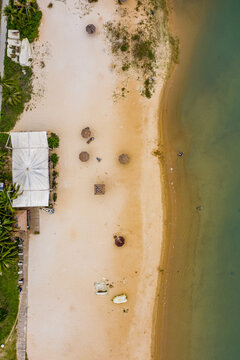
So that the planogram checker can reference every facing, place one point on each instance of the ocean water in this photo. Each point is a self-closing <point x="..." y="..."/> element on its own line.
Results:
<point x="201" y="319"/>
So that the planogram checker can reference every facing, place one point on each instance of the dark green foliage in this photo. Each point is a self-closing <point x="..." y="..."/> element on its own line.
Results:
<point x="8" y="261"/>
<point x="147" y="88"/>
<point x="143" y="49"/>
<point x="11" y="96"/>
<point x="3" y="140"/>
<point x="50" y="5"/>
<point x="26" y="19"/>
<point x="53" y="141"/>
<point x="54" y="158"/>
<point x="136" y="37"/>
<point x="3" y="314"/>
<point x="55" y="197"/>
<point x="148" y="93"/>
<point x="10" y="113"/>
<point x="124" y="47"/>
<point x="9" y="297"/>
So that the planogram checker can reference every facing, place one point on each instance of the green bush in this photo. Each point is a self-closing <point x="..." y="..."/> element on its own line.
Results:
<point x="3" y="314"/>
<point x="53" y="141"/>
<point x="55" y="197"/>
<point x="11" y="113"/>
<point x="54" y="158"/>
<point x="124" y="47"/>
<point x="26" y="19"/>
<point x="136" y="37"/>
<point x="143" y="50"/>
<point x="3" y="140"/>
<point x="148" y="93"/>
<point x="125" y="67"/>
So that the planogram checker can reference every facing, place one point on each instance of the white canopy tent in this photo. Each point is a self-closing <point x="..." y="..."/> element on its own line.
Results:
<point x="25" y="57"/>
<point x="30" y="168"/>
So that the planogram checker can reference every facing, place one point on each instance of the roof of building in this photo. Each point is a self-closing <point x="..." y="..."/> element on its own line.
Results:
<point x="30" y="168"/>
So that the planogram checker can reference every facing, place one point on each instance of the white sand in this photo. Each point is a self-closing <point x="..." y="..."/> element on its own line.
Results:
<point x="66" y="320"/>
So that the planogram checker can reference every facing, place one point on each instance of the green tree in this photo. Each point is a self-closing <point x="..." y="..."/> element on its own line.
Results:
<point x="12" y="96"/>
<point x="54" y="158"/>
<point x="11" y="13"/>
<point x="5" y="239"/>
<point x="53" y="141"/>
<point x="7" y="83"/>
<point x="29" y="7"/>
<point x="7" y="257"/>
<point x="9" y="193"/>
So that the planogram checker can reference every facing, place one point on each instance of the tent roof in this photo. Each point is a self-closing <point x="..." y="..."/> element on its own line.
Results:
<point x="30" y="168"/>
<point x="25" y="53"/>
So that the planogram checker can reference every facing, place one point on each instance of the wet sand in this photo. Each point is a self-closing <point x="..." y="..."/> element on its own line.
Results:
<point x="179" y="198"/>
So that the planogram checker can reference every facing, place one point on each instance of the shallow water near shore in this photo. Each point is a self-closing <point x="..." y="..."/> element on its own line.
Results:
<point x="201" y="316"/>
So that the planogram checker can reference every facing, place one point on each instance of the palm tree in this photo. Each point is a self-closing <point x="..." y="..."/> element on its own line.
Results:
<point x="11" y="13"/>
<point x="6" y="223"/>
<point x="12" y="96"/>
<point x="7" y="257"/>
<point x="28" y="6"/>
<point x="9" y="193"/>
<point x="5" y="238"/>
<point x="7" y="83"/>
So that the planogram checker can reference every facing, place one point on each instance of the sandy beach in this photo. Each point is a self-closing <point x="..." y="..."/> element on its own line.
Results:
<point x="74" y="85"/>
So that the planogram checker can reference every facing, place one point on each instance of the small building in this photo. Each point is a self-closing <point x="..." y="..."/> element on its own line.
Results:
<point x="30" y="168"/>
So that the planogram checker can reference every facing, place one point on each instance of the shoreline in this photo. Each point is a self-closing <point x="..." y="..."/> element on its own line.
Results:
<point x="170" y="182"/>
<point x="168" y="200"/>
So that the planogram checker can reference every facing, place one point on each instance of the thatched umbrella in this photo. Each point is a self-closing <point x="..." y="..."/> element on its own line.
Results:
<point x="86" y="132"/>
<point x="119" y="240"/>
<point x="84" y="156"/>
<point x="124" y="159"/>
<point x="90" y="29"/>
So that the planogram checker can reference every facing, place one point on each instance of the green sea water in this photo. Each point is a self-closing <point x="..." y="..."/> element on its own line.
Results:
<point x="202" y="315"/>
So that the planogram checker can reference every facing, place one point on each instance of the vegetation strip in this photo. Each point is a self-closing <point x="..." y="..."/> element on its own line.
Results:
<point x="137" y="47"/>
<point x="17" y="81"/>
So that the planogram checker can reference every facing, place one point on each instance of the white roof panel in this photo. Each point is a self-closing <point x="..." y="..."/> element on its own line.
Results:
<point x="30" y="168"/>
<point x="26" y="140"/>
